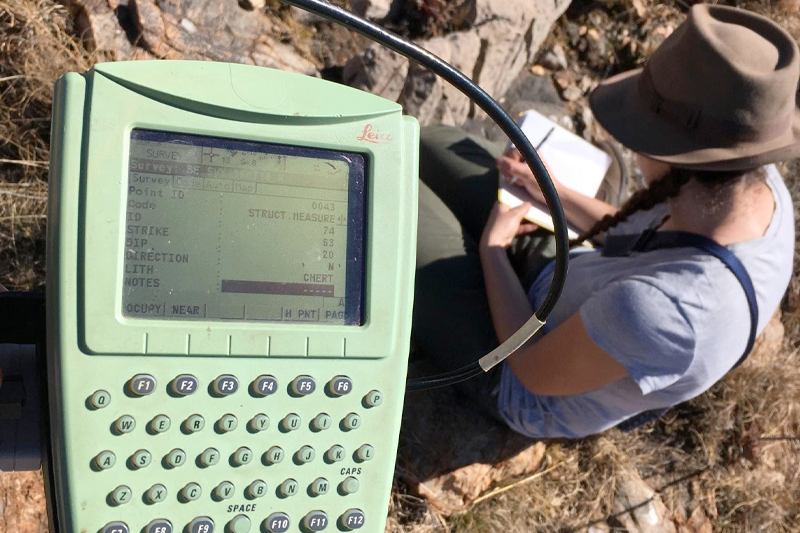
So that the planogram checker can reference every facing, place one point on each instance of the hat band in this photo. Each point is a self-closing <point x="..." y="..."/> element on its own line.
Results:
<point x="695" y="122"/>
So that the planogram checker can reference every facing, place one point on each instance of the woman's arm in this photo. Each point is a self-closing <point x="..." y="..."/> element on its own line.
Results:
<point x="563" y="362"/>
<point x="582" y="211"/>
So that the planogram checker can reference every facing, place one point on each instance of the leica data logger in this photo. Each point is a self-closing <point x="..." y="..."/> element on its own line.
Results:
<point x="230" y="280"/>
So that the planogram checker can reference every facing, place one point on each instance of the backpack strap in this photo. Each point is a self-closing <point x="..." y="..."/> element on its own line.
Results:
<point x="649" y="240"/>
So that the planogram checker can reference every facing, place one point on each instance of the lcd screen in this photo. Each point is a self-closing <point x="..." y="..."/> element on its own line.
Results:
<point x="220" y="229"/>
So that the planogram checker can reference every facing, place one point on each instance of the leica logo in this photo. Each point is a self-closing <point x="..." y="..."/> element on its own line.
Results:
<point x="372" y="135"/>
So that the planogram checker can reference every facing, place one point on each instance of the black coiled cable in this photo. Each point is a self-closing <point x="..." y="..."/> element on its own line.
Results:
<point x="508" y="125"/>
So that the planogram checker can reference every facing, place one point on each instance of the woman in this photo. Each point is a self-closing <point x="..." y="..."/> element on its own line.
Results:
<point x="715" y="106"/>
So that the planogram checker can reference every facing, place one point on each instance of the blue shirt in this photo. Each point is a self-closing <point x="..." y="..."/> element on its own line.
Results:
<point x="676" y="319"/>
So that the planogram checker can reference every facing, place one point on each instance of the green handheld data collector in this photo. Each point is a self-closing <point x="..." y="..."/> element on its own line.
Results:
<point x="230" y="281"/>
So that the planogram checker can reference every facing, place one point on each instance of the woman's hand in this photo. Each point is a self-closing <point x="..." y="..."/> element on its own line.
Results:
<point x="514" y="169"/>
<point x="504" y="224"/>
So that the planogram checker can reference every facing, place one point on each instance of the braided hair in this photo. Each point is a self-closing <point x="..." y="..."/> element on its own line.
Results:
<point x="718" y="182"/>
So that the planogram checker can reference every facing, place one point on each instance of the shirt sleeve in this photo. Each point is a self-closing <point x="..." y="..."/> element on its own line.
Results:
<point x="644" y="329"/>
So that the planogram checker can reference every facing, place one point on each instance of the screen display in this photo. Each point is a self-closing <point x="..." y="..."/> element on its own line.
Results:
<point x="220" y="229"/>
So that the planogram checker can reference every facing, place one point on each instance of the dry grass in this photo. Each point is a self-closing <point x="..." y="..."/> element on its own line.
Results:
<point x="36" y="46"/>
<point x="718" y="444"/>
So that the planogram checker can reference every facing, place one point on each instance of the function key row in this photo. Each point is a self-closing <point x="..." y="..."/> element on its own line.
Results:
<point x="144" y="384"/>
<point x="229" y="422"/>
<point x="226" y="384"/>
<point x="226" y="490"/>
<point x="350" y="520"/>
<point x="242" y="456"/>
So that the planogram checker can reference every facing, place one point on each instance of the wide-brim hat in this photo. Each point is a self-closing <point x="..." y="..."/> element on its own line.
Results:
<point x="721" y="93"/>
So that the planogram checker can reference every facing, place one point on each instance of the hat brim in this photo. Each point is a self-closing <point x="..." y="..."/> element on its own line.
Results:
<point x="619" y="109"/>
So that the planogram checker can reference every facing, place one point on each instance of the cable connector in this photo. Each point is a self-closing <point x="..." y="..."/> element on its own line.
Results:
<point x="514" y="343"/>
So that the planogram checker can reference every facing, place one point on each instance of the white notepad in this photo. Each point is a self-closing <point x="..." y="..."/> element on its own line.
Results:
<point x="574" y="162"/>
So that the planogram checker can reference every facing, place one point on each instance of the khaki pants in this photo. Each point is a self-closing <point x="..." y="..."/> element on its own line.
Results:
<point x="452" y="326"/>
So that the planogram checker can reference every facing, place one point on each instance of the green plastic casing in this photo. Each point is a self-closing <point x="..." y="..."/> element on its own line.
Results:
<point x="92" y="346"/>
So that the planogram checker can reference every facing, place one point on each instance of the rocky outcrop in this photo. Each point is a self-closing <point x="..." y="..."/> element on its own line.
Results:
<point x="504" y="37"/>
<point x="190" y="29"/>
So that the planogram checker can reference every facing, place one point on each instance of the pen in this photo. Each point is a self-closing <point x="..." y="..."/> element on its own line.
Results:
<point x="514" y="178"/>
<point x="541" y="143"/>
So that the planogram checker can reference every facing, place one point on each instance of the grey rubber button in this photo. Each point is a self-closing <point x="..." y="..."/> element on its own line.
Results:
<point x="351" y="421"/>
<point x="305" y="455"/>
<point x="194" y="423"/>
<point x="121" y="495"/>
<point x="315" y="521"/>
<point x="256" y="489"/>
<point x="191" y="492"/>
<point x="202" y="524"/>
<point x="239" y="524"/>
<point x="225" y="385"/>
<point x="227" y="423"/>
<point x="260" y="422"/>
<point x="291" y="422"/>
<point x="321" y="422"/>
<point x="274" y="455"/>
<point x="264" y="385"/>
<point x="105" y="460"/>
<point x="100" y="399"/>
<point x="288" y="488"/>
<point x="319" y="486"/>
<point x="160" y="424"/>
<point x="118" y="527"/>
<point x="156" y="494"/>
<point x="350" y="485"/>
<point x="142" y="385"/>
<point x="303" y="385"/>
<point x="224" y="490"/>
<point x="242" y="456"/>
<point x="159" y="526"/>
<point x="335" y="454"/>
<point x="373" y="398"/>
<point x="184" y="385"/>
<point x="352" y="519"/>
<point x="340" y="385"/>
<point x="209" y="457"/>
<point x="365" y="452"/>
<point x="125" y="424"/>
<point x="175" y="458"/>
<point x="141" y="459"/>
<point x="275" y="523"/>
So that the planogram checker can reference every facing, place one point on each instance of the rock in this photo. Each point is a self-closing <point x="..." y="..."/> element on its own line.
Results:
<point x="505" y="37"/>
<point x="554" y="59"/>
<point x="572" y="93"/>
<point x="451" y="455"/>
<point x="218" y="31"/>
<point x="373" y="9"/>
<point x="98" y="22"/>
<point x="22" y="503"/>
<point x="190" y="29"/>
<point x="538" y="70"/>
<point x="637" y="506"/>
<point x="427" y="96"/>
<point x="377" y="70"/>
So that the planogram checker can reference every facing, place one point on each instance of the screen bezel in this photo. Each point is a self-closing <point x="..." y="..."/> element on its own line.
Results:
<point x="297" y="110"/>
<point x="357" y="194"/>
